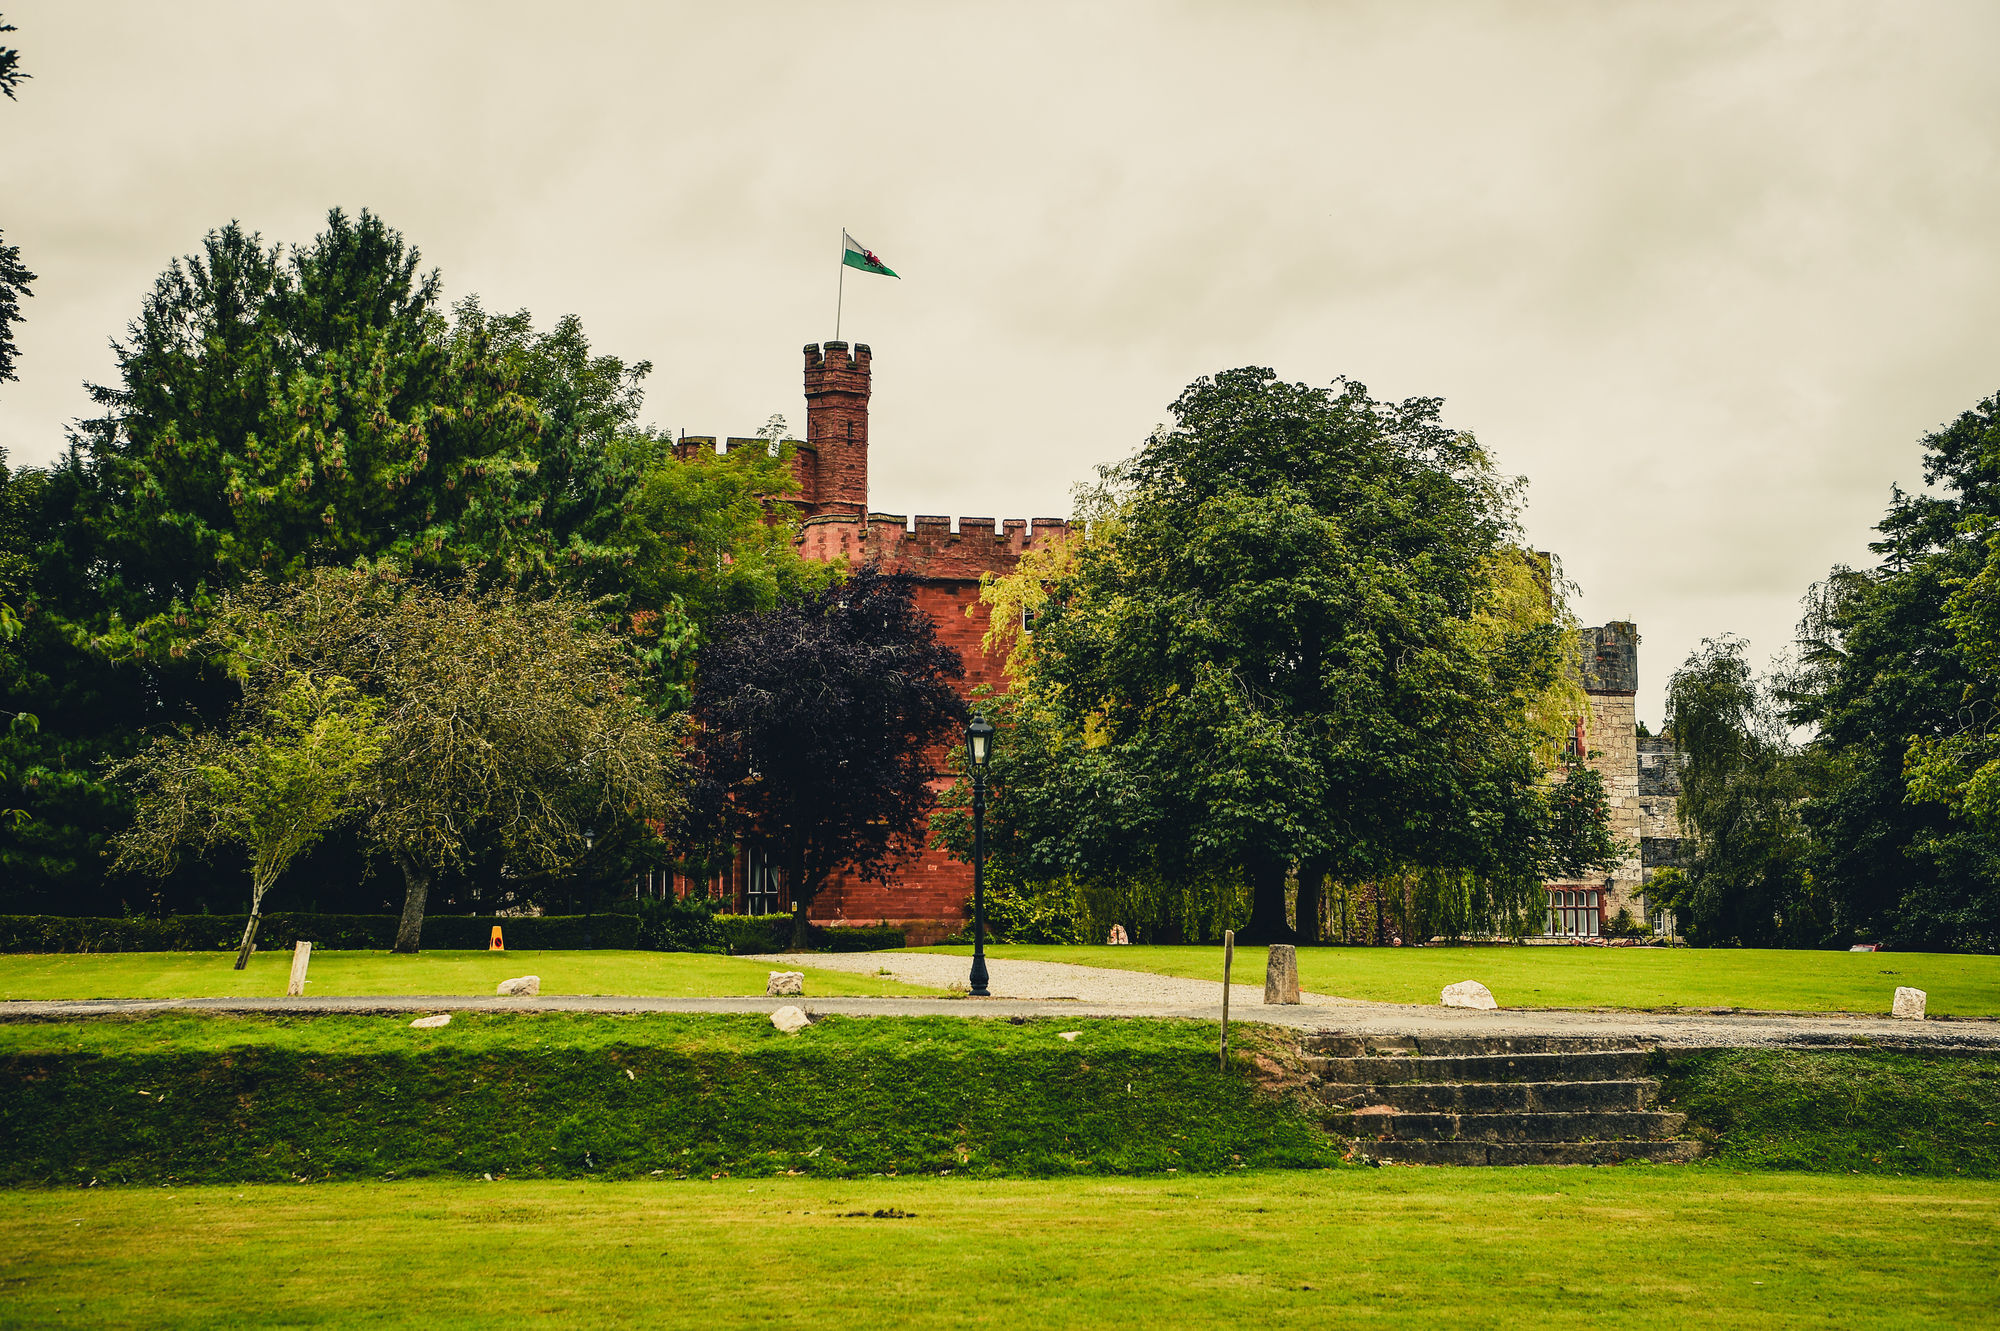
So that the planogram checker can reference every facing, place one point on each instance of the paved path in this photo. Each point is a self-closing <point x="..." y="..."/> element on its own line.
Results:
<point x="1699" y="1029"/>
<point x="1035" y="979"/>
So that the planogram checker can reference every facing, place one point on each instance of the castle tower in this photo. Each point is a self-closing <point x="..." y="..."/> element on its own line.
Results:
<point x="836" y="452"/>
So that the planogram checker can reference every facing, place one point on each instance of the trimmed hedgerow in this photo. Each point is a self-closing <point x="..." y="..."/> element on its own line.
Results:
<point x="663" y="927"/>
<point x="748" y="934"/>
<point x="201" y="933"/>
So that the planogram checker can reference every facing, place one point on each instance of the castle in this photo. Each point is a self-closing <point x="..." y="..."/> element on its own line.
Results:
<point x="929" y="895"/>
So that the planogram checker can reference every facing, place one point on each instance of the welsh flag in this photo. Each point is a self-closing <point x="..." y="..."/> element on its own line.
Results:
<point x="856" y="255"/>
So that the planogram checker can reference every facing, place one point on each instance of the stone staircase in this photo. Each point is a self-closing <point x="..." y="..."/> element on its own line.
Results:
<point x="1496" y="1100"/>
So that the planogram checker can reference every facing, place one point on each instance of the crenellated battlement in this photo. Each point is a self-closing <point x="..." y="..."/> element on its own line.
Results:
<point x="834" y="358"/>
<point x="928" y="545"/>
<point x="690" y="446"/>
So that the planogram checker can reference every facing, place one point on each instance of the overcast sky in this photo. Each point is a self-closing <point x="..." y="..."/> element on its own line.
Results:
<point x="1702" y="272"/>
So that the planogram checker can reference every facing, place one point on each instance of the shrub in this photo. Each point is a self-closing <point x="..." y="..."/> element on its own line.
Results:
<point x="677" y="924"/>
<point x="1624" y="925"/>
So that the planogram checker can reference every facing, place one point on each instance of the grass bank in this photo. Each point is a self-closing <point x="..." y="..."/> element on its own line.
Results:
<point x="193" y="1098"/>
<point x="454" y="974"/>
<point x="200" y="1097"/>
<point x="1391" y="1247"/>
<point x="1839" y="1111"/>
<point x="1566" y="977"/>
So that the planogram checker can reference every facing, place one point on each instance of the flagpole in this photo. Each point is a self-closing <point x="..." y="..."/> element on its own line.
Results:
<point x="841" y="296"/>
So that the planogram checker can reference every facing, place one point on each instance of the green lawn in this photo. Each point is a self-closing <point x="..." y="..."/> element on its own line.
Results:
<point x="1626" y="977"/>
<point x="1392" y="1247"/>
<point x="453" y="974"/>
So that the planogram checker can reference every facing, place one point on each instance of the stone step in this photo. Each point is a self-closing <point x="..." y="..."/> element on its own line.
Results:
<point x="1430" y="1046"/>
<point x="1608" y="1125"/>
<point x="1525" y="1153"/>
<point x="1624" y="1065"/>
<point x="1496" y="1096"/>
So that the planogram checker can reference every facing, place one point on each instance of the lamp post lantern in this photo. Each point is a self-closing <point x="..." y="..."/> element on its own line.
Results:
<point x="978" y="748"/>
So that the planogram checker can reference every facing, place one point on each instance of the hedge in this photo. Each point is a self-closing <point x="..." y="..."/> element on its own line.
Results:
<point x="744" y="934"/>
<point x="203" y="933"/>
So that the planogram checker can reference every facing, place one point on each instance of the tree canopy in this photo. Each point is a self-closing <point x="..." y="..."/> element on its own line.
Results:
<point x="509" y="720"/>
<point x="296" y="765"/>
<point x="15" y="281"/>
<point x="1742" y="787"/>
<point x="281" y="410"/>
<point x="1292" y="639"/>
<point x="820" y="722"/>
<point x="1898" y="678"/>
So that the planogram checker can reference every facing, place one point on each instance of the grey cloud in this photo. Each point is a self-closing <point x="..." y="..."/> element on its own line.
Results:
<point x="1702" y="271"/>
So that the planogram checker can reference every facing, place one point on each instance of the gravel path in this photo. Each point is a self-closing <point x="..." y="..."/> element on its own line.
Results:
<point x="1039" y="979"/>
<point x="1697" y="1029"/>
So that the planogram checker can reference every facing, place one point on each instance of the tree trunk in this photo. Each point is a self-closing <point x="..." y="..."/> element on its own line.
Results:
<point x="417" y="890"/>
<point x="249" y="938"/>
<point x="1267" y="904"/>
<point x="257" y="891"/>
<point x="1312" y="884"/>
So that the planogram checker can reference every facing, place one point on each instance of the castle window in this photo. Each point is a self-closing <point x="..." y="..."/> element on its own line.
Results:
<point x="760" y="893"/>
<point x="1575" y="912"/>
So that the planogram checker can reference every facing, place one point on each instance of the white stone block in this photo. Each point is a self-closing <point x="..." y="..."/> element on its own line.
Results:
<point x="1909" y="1003"/>
<point x="1468" y="993"/>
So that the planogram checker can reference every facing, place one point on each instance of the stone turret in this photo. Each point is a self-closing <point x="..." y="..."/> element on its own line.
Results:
<point x="833" y="466"/>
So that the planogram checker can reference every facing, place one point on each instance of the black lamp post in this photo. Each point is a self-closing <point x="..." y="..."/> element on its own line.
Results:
<point x="978" y="748"/>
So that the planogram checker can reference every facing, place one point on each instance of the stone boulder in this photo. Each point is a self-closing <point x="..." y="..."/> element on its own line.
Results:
<point x="521" y="986"/>
<point x="1909" y="1003"/>
<point x="790" y="1020"/>
<point x="1468" y="993"/>
<point x="432" y="1023"/>
<point x="1281" y="974"/>
<point x="786" y="984"/>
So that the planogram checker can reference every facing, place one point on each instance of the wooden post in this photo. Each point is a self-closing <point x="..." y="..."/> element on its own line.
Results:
<point x="301" y="954"/>
<point x="1228" y="956"/>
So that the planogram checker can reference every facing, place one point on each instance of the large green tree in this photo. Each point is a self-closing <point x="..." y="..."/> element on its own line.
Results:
<point x="1898" y="677"/>
<point x="1283" y="648"/>
<point x="1743" y="785"/>
<point x="280" y="410"/>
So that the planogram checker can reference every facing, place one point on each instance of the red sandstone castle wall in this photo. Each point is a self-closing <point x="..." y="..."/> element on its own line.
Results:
<point x="930" y="892"/>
